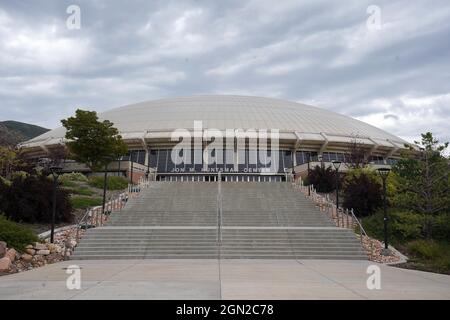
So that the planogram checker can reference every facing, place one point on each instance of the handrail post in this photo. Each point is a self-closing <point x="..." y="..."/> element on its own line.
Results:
<point x="219" y="207"/>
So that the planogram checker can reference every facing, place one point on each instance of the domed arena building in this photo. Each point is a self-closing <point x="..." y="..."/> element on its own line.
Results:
<point x="254" y="138"/>
<point x="224" y="167"/>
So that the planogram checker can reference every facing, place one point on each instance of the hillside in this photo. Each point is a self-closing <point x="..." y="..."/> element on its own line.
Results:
<point x="14" y="132"/>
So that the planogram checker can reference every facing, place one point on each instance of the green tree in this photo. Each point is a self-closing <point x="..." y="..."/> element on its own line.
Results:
<point x="423" y="178"/>
<point x="93" y="142"/>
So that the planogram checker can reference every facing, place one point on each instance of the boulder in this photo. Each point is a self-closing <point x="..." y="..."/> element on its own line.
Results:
<point x="2" y="249"/>
<point x="43" y="252"/>
<point x="5" y="264"/>
<point x="26" y="257"/>
<point x="11" y="254"/>
<point x="52" y="247"/>
<point x="30" y="246"/>
<point x="40" y="246"/>
<point x="31" y="251"/>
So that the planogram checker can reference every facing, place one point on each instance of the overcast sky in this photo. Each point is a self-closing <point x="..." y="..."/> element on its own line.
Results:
<point x="394" y="73"/>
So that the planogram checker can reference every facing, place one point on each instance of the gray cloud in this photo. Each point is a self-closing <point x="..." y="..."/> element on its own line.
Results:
<point x="317" y="52"/>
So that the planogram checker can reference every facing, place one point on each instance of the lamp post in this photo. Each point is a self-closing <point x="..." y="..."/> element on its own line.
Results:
<point x="336" y="165"/>
<point x="55" y="170"/>
<point x="309" y="159"/>
<point x="384" y="172"/>
<point x="105" y="180"/>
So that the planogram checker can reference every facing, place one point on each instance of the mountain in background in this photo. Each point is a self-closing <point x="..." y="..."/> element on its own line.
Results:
<point x="14" y="132"/>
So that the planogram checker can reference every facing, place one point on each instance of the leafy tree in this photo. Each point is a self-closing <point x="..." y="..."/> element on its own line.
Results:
<point x="8" y="159"/>
<point x="91" y="141"/>
<point x="362" y="191"/>
<point x="423" y="178"/>
<point x="322" y="178"/>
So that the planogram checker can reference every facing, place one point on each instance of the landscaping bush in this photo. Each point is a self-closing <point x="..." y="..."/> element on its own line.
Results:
<point x="81" y="202"/>
<point x="29" y="199"/>
<point x="362" y="191"/>
<point x="15" y="235"/>
<point x="403" y="225"/>
<point x="441" y="227"/>
<point x="426" y="249"/>
<point x="74" y="176"/>
<point x="322" y="178"/>
<point x="113" y="183"/>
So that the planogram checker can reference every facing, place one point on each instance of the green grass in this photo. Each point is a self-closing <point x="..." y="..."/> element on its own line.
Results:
<point x="15" y="235"/>
<point x="82" y="191"/>
<point x="83" y="202"/>
<point x="68" y="184"/>
<point x="113" y="183"/>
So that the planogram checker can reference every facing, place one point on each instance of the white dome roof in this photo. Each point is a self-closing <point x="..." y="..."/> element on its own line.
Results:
<point x="233" y="112"/>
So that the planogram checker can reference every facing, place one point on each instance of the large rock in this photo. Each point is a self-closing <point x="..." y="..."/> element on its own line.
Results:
<point x="40" y="246"/>
<point x="53" y="247"/>
<point x="2" y="249"/>
<point x="5" y="264"/>
<point x="26" y="257"/>
<point x="11" y="254"/>
<point x="30" y="246"/>
<point x="31" y="251"/>
<point x="43" y="252"/>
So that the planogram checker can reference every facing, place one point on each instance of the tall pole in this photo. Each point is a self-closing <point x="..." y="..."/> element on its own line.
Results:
<point x="55" y="184"/>
<point x="385" y="219"/>
<point x="309" y="182"/>
<point x="131" y="172"/>
<point x="337" y="188"/>
<point x="104" y="188"/>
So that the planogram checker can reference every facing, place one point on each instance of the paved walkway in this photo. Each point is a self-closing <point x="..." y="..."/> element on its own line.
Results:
<point x="231" y="279"/>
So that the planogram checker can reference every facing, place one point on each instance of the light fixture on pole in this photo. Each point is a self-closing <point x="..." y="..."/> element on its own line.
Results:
<point x="308" y="155"/>
<point x="55" y="171"/>
<point x="336" y="165"/>
<point x="384" y="172"/>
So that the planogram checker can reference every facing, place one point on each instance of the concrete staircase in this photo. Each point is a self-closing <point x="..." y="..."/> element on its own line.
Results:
<point x="176" y="220"/>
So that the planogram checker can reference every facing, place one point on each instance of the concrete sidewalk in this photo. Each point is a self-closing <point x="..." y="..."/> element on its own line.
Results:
<point x="229" y="279"/>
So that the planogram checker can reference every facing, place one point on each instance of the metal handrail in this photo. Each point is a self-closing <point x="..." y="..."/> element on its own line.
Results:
<point x="83" y="219"/>
<point x="321" y="200"/>
<point x="123" y="197"/>
<point x="219" y="208"/>
<point x="361" y="228"/>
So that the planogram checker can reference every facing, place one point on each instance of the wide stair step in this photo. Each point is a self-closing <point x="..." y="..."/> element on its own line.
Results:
<point x="178" y="220"/>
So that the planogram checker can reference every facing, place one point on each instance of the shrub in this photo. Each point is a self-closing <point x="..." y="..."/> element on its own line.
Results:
<point x="113" y="183"/>
<point x="81" y="202"/>
<point x="15" y="235"/>
<point x="426" y="249"/>
<point x="74" y="176"/>
<point x="30" y="199"/>
<point x="403" y="225"/>
<point x="441" y="227"/>
<point x="322" y="178"/>
<point x="362" y="191"/>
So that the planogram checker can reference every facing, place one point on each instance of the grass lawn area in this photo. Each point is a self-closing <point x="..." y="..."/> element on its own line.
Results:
<point x="83" y="202"/>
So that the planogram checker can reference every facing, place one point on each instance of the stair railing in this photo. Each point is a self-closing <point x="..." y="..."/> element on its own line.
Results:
<point x="96" y="217"/>
<point x="219" y="208"/>
<point x="342" y="218"/>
